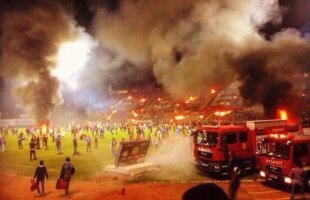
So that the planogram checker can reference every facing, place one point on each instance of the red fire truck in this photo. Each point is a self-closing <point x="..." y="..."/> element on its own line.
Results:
<point x="282" y="150"/>
<point x="212" y="144"/>
<point x="215" y="146"/>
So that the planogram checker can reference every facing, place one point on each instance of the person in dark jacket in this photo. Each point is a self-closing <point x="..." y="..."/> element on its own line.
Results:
<point x="67" y="171"/>
<point x="32" y="150"/>
<point x="40" y="175"/>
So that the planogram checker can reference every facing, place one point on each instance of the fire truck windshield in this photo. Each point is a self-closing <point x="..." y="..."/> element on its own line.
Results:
<point x="207" y="138"/>
<point x="278" y="149"/>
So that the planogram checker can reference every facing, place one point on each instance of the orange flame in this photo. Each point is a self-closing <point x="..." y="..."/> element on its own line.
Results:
<point x="283" y="114"/>
<point x="179" y="117"/>
<point x="134" y="113"/>
<point x="44" y="129"/>
<point x="222" y="113"/>
<point x="142" y="100"/>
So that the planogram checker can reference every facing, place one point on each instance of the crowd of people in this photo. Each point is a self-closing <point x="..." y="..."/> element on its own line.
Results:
<point x="38" y="138"/>
<point x="91" y="133"/>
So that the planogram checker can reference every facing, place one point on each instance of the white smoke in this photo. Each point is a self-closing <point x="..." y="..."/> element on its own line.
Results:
<point x="175" y="154"/>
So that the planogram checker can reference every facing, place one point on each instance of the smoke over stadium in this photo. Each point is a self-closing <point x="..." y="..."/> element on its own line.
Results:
<point x="185" y="47"/>
<point x="27" y="49"/>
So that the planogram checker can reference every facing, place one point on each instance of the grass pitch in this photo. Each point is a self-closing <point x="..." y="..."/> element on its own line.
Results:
<point x="17" y="161"/>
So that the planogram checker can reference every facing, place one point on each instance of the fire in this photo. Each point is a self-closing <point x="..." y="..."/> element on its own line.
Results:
<point x="222" y="113"/>
<point x="179" y="117"/>
<point x="191" y="98"/>
<point x="134" y="114"/>
<point x="143" y="100"/>
<point x="44" y="129"/>
<point x="213" y="91"/>
<point x="283" y="114"/>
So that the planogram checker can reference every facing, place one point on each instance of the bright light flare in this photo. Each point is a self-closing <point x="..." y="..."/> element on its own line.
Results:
<point x="72" y="57"/>
<point x="213" y="91"/>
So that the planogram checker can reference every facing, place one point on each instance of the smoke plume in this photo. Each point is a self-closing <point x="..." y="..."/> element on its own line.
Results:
<point x="192" y="46"/>
<point x="31" y="34"/>
<point x="271" y="72"/>
<point x="186" y="42"/>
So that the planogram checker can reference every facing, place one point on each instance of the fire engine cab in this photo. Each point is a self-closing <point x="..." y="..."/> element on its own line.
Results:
<point x="281" y="149"/>
<point x="216" y="148"/>
<point x="215" y="145"/>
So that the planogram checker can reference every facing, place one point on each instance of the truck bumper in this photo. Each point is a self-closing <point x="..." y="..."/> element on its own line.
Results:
<point x="217" y="167"/>
<point x="269" y="176"/>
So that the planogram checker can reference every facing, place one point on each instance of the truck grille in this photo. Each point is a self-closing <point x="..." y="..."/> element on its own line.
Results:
<point x="205" y="154"/>
<point x="274" y="169"/>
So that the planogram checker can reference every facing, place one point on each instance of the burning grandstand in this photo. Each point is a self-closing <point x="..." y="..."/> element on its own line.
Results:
<point x="70" y="60"/>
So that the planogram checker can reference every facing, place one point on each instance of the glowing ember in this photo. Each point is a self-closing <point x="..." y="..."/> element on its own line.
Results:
<point x="201" y="116"/>
<point x="129" y="97"/>
<point x="159" y="99"/>
<point x="213" y="91"/>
